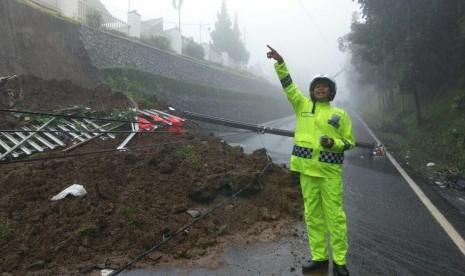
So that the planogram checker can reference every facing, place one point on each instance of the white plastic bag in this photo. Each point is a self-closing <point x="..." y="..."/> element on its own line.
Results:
<point x="75" y="190"/>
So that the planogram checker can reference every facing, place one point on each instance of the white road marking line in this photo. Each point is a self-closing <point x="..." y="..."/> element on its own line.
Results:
<point x="450" y="230"/>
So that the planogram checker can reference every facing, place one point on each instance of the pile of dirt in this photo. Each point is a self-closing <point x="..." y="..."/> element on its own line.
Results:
<point x="30" y="93"/>
<point x="136" y="198"/>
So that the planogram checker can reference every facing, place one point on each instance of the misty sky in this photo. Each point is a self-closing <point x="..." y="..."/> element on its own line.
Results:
<point x="303" y="31"/>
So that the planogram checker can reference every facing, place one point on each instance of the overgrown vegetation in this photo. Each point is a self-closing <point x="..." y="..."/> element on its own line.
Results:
<point x="410" y="46"/>
<point x="124" y="114"/>
<point x="93" y="18"/>
<point x="439" y="139"/>
<point x="137" y="82"/>
<point x="137" y="91"/>
<point x="194" y="50"/>
<point x="407" y="71"/>
<point x="159" y="42"/>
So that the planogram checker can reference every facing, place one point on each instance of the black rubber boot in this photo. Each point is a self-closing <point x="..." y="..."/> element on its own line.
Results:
<point x="309" y="266"/>
<point x="341" y="270"/>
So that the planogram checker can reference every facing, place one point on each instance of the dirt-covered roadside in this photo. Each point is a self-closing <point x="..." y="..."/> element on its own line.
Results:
<point x="135" y="198"/>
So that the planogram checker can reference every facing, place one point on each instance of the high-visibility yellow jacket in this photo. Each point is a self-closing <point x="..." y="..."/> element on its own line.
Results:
<point x="308" y="156"/>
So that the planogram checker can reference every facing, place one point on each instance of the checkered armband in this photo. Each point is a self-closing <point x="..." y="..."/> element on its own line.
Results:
<point x="331" y="157"/>
<point x="286" y="81"/>
<point x="302" y="152"/>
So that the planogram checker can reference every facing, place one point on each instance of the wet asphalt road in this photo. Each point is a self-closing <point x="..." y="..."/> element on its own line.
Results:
<point x="390" y="230"/>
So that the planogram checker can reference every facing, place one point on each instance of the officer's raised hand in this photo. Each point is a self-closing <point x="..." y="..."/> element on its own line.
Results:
<point x="274" y="55"/>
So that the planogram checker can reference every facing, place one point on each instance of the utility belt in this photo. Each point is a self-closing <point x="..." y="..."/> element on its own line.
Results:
<point x="325" y="156"/>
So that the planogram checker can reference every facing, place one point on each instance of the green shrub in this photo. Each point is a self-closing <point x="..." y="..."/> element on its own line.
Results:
<point x="159" y="42"/>
<point x="94" y="18"/>
<point x="117" y="32"/>
<point x="134" y="89"/>
<point x="194" y="50"/>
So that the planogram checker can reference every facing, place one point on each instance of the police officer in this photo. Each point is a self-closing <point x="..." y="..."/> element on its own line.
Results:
<point x="322" y="135"/>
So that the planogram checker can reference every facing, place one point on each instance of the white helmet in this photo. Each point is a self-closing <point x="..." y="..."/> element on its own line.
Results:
<point x="318" y="78"/>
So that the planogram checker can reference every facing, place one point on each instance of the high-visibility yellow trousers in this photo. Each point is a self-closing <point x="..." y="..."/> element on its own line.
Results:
<point x="324" y="213"/>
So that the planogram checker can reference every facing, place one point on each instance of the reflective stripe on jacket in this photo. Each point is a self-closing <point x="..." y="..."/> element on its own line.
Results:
<point x="308" y="156"/>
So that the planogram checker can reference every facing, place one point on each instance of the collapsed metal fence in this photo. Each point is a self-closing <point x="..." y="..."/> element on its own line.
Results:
<point x="64" y="133"/>
<point x="67" y="132"/>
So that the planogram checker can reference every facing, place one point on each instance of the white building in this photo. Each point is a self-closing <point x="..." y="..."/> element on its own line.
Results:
<point x="134" y="26"/>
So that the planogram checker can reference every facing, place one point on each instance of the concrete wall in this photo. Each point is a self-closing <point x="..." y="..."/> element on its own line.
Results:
<point x="134" y="24"/>
<point x="175" y="40"/>
<point x="214" y="56"/>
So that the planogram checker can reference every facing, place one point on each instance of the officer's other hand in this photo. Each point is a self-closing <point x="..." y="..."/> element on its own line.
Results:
<point x="274" y="55"/>
<point x="326" y="141"/>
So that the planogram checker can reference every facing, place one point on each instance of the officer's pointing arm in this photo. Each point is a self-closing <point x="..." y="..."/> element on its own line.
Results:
<point x="274" y="55"/>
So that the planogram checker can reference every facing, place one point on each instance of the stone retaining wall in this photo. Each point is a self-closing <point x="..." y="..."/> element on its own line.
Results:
<point x="109" y="50"/>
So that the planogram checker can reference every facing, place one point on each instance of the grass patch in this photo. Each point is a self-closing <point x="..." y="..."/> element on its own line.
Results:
<point x="126" y="210"/>
<point x="6" y="230"/>
<point x="191" y="155"/>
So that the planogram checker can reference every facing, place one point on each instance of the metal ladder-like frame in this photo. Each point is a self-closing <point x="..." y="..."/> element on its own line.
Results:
<point x="41" y="138"/>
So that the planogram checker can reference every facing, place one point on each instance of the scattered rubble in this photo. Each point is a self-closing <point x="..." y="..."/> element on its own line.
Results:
<point x="448" y="178"/>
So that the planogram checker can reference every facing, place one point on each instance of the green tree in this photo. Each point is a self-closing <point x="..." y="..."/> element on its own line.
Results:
<point x="238" y="51"/>
<point x="225" y="38"/>
<point x="415" y="46"/>
<point x="194" y="50"/>
<point x="93" y="18"/>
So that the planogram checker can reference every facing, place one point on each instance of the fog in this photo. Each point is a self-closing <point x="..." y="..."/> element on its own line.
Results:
<point x="304" y="32"/>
